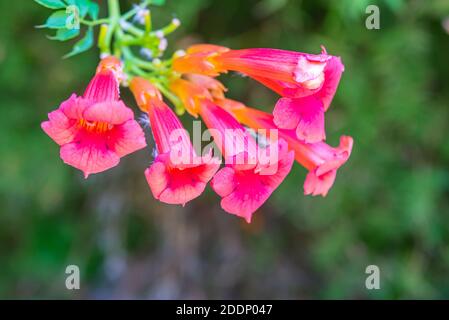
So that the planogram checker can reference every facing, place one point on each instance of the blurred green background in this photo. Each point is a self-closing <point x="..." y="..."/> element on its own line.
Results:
<point x="389" y="205"/>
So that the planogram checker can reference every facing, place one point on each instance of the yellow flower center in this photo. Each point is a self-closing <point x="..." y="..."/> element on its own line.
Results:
<point x="95" y="126"/>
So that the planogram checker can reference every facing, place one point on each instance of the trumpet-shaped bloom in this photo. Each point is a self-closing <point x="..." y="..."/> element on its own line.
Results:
<point x="199" y="60"/>
<point x="320" y="159"/>
<point x="306" y="112"/>
<point x="190" y="94"/>
<point x="97" y="129"/>
<point x="246" y="181"/>
<point x="281" y="65"/>
<point x="177" y="174"/>
<point x="307" y="82"/>
<point x="331" y="73"/>
<point x="215" y="87"/>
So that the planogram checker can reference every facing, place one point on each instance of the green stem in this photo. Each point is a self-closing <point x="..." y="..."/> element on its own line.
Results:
<point x="172" y="26"/>
<point x="94" y="23"/>
<point x="133" y="11"/>
<point x="114" y="14"/>
<point x="137" y="63"/>
<point x="134" y="30"/>
<point x="135" y="69"/>
<point x="114" y="9"/>
<point x="130" y="41"/>
<point x="148" y="23"/>
<point x="144" y="64"/>
<point x="159" y="74"/>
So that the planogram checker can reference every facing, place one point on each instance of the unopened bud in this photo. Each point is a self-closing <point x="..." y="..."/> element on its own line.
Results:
<point x="163" y="44"/>
<point x="159" y="34"/>
<point x="146" y="53"/>
<point x="179" y="53"/>
<point x="176" y="22"/>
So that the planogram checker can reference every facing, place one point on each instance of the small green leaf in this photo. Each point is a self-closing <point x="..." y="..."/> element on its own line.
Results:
<point x="52" y="4"/>
<point x="65" y="34"/>
<point x="93" y="10"/>
<point x="56" y="21"/>
<point x="83" y="45"/>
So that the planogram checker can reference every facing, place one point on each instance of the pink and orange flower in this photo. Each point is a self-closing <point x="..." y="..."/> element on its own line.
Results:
<point x="249" y="176"/>
<point x="97" y="129"/>
<point x="320" y="159"/>
<point x="246" y="184"/>
<point x="177" y="174"/>
<point x="306" y="82"/>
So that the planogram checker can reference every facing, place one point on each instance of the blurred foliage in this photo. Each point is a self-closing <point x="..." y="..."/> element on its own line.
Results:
<point x="388" y="207"/>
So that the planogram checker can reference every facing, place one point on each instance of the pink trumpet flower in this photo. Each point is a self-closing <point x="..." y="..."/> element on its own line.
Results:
<point x="97" y="129"/>
<point x="320" y="159"/>
<point x="306" y="82"/>
<point x="177" y="175"/>
<point x="246" y="181"/>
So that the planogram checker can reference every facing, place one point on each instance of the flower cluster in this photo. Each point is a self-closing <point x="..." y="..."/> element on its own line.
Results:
<point x="258" y="149"/>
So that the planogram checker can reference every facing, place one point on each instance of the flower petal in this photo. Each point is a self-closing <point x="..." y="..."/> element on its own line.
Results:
<point x="89" y="155"/>
<point x="320" y="179"/>
<point x="175" y="185"/>
<point x="319" y="185"/>
<point x="127" y="138"/>
<point x="74" y="107"/>
<point x="286" y="114"/>
<point x="224" y="181"/>
<point x="112" y="112"/>
<point x="104" y="86"/>
<point x="332" y="74"/>
<point x="248" y="196"/>
<point x="308" y="69"/>
<point x="337" y="157"/>
<point x="244" y="191"/>
<point x="306" y="115"/>
<point x="61" y="129"/>
<point x="286" y="89"/>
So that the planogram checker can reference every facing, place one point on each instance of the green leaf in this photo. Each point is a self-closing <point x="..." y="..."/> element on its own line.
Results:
<point x="52" y="4"/>
<point x="93" y="10"/>
<point x="65" y="34"/>
<point x="56" y="21"/>
<point x="83" y="45"/>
